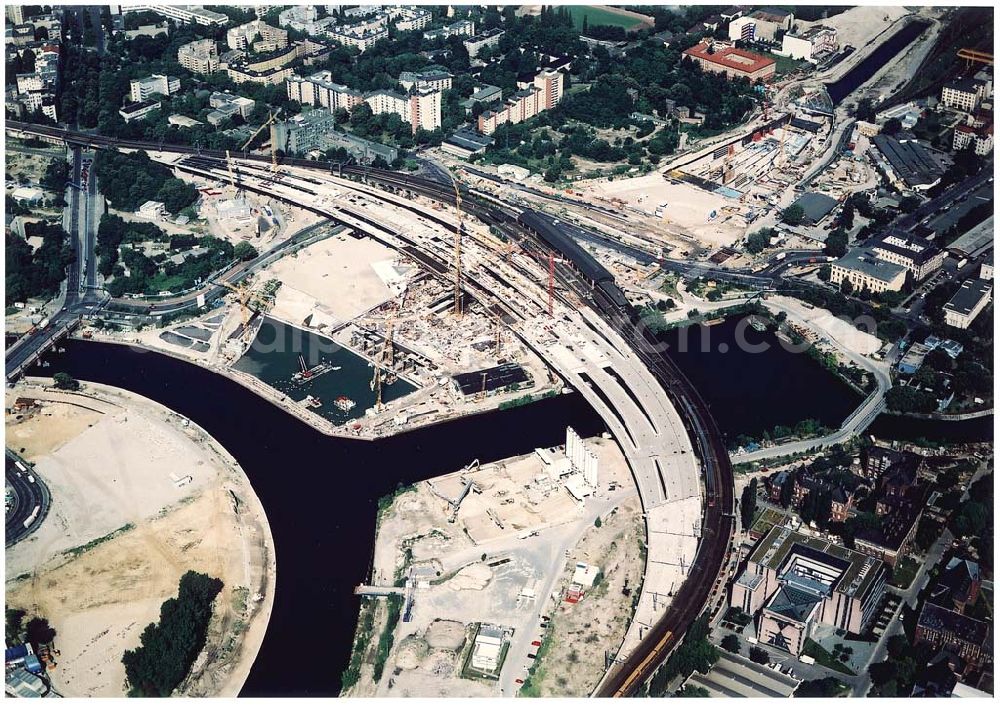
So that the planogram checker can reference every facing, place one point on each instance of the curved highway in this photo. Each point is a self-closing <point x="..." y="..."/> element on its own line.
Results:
<point x="30" y="500"/>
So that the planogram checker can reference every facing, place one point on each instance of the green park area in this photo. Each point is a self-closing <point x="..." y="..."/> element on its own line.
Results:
<point x="601" y="16"/>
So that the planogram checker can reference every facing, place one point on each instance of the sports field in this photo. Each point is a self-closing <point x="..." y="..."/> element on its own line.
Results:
<point x="597" y="15"/>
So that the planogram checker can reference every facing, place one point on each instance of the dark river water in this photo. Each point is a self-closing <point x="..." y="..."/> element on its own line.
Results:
<point x="878" y="58"/>
<point x="320" y="493"/>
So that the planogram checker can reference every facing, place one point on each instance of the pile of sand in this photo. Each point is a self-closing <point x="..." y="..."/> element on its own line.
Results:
<point x="472" y="577"/>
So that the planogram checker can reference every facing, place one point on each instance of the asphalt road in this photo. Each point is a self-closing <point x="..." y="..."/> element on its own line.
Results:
<point x="27" y="496"/>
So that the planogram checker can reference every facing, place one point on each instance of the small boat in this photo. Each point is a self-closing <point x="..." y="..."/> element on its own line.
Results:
<point x="757" y="324"/>
<point x="344" y="403"/>
<point x="336" y="369"/>
<point x="312" y="402"/>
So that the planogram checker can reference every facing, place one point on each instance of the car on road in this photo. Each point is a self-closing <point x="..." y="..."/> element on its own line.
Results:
<point x="532" y="655"/>
<point x="519" y="681"/>
<point x="536" y="643"/>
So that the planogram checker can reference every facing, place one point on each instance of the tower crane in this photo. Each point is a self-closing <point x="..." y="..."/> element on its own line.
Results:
<point x="274" y="153"/>
<point x="246" y="296"/>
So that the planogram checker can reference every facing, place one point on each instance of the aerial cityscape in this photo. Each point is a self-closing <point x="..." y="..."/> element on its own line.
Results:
<point x="549" y="351"/>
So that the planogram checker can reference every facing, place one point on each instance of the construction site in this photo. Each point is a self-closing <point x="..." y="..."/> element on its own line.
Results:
<point x="392" y="346"/>
<point x="502" y="549"/>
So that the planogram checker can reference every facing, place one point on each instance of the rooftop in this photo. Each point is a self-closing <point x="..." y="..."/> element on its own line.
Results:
<point x="940" y="619"/>
<point x="909" y="160"/>
<point x="815" y="206"/>
<point x="867" y="263"/>
<point x="730" y="57"/>
<point x="793" y="604"/>
<point x="969" y="295"/>
<point x="859" y="570"/>
<point x="917" y="249"/>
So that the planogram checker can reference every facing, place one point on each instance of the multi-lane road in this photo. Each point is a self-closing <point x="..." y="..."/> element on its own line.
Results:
<point x="29" y="499"/>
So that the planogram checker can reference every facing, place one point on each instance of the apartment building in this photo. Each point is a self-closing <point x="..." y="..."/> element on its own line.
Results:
<point x="362" y="40"/>
<point x="141" y="89"/>
<point x="461" y="28"/>
<point x="421" y="108"/>
<point x="200" y="56"/>
<point x="544" y="94"/>
<point x="964" y="93"/>
<point x="412" y="18"/>
<point x="810" y="44"/>
<point x="981" y="139"/>
<point x="319" y="89"/>
<point x="228" y="104"/>
<point x="436" y="77"/>
<point x="487" y="40"/>
<point x="245" y="37"/>
<point x="185" y="14"/>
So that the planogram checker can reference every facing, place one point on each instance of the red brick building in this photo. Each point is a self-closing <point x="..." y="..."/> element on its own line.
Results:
<point x="733" y="62"/>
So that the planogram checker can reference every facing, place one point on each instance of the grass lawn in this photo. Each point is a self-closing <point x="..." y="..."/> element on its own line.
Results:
<point x="824" y="657"/>
<point x="599" y="16"/>
<point x="785" y="64"/>
<point x="904" y="573"/>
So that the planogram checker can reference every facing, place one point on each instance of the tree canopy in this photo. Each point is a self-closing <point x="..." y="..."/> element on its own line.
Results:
<point x="168" y="648"/>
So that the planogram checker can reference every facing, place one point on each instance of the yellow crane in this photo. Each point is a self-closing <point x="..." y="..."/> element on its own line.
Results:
<point x="245" y="295"/>
<point x="274" y="152"/>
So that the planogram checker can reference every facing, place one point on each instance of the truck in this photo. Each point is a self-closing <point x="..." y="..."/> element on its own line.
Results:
<point x="781" y="256"/>
<point x="807" y="659"/>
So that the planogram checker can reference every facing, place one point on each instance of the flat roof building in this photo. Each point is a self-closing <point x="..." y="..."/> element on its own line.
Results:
<point x="919" y="255"/>
<point x="185" y="14"/>
<point x="464" y="143"/>
<point x="962" y="309"/>
<point x="866" y="271"/>
<point x="733" y="62"/>
<point x="815" y="206"/>
<point x="794" y="581"/>
<point x="489" y="38"/>
<point x="200" y="56"/>
<point x="138" y="111"/>
<point x="906" y="164"/>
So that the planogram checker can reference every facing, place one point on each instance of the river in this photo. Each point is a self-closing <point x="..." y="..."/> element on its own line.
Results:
<point x="320" y="493"/>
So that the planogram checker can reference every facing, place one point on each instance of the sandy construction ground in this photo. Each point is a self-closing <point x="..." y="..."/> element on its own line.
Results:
<point x="859" y="25"/>
<point x="332" y="279"/>
<point x="687" y="208"/>
<point x="120" y="534"/>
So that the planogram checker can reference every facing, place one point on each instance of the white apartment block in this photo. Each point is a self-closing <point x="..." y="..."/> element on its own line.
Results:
<point x="319" y="89"/>
<point x="486" y="40"/>
<point x="810" y="44"/>
<point x="185" y="14"/>
<point x="422" y="109"/>
<point x="412" y="18"/>
<point x="544" y="94"/>
<point x="200" y="56"/>
<point x="980" y="138"/>
<point x="964" y="94"/>
<point x="243" y="37"/>
<point x="967" y="303"/>
<point x="362" y="41"/>
<point x="462" y="28"/>
<point x="435" y="77"/>
<point x="141" y="89"/>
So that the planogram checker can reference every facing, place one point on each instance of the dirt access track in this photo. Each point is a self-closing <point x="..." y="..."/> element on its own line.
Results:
<point x="121" y="532"/>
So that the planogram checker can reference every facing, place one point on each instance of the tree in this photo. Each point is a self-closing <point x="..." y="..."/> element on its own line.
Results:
<point x="168" y="648"/>
<point x="787" y="489"/>
<point x="828" y="687"/>
<point x="14" y="625"/>
<point x="748" y="504"/>
<point x="892" y="126"/>
<point x="759" y="241"/>
<point x="846" y="287"/>
<point x="836" y="243"/>
<point x="731" y="643"/>
<point x="824" y="272"/>
<point x="244" y="251"/>
<point x="793" y="215"/>
<point x="38" y="631"/>
<point x="64" y="381"/>
<point x="758" y="655"/>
